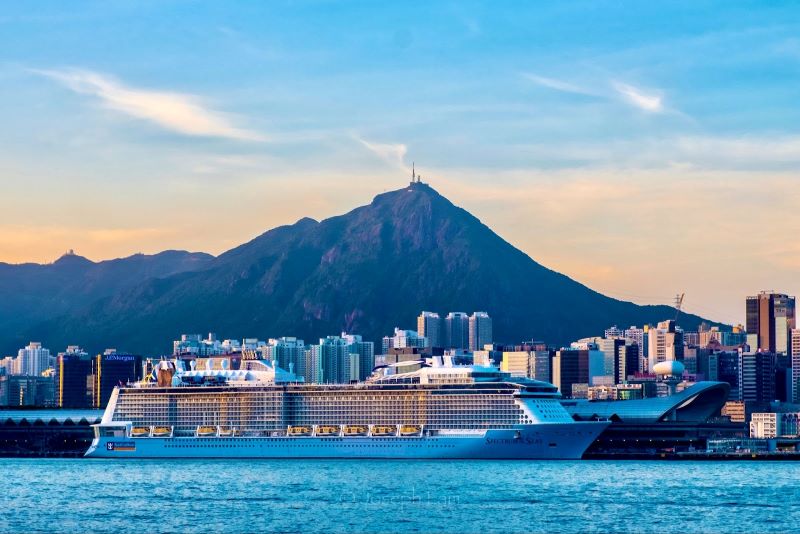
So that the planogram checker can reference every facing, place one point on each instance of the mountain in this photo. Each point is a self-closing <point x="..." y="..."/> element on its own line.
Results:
<point x="365" y="272"/>
<point x="31" y="293"/>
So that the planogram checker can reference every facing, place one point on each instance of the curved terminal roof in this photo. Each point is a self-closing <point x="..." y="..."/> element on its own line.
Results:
<point x="50" y="417"/>
<point x="694" y="404"/>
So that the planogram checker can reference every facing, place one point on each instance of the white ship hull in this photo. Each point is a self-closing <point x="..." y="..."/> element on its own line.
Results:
<point x="541" y="441"/>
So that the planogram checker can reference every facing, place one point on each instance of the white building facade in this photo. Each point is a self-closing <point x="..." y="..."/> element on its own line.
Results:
<point x="33" y="360"/>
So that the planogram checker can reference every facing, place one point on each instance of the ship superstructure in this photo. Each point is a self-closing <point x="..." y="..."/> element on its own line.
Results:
<point x="438" y="411"/>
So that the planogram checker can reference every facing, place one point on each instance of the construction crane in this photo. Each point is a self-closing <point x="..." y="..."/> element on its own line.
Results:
<point x="678" y="304"/>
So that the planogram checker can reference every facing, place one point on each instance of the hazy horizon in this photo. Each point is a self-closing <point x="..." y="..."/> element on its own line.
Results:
<point x="642" y="150"/>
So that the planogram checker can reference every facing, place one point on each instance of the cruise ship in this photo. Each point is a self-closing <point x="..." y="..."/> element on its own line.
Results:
<point x="438" y="410"/>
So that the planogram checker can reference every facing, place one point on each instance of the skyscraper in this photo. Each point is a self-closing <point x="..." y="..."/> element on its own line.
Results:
<point x="727" y="363"/>
<point x="74" y="382"/>
<point x="313" y="367"/>
<point x="620" y="358"/>
<point x="112" y="369"/>
<point x="610" y="349"/>
<point x="640" y="338"/>
<point x="330" y="358"/>
<point x="756" y="377"/>
<point x="540" y="365"/>
<point x="627" y="362"/>
<point x="8" y="366"/>
<point x="785" y="322"/>
<point x="771" y="316"/>
<point x="707" y="363"/>
<point x="289" y="353"/>
<point x="570" y="366"/>
<point x="364" y="351"/>
<point x="339" y="360"/>
<point x="480" y="330"/>
<point x="33" y="359"/>
<point x="613" y="332"/>
<point x="795" y="349"/>
<point x="429" y="325"/>
<point x="665" y="343"/>
<point x="456" y="330"/>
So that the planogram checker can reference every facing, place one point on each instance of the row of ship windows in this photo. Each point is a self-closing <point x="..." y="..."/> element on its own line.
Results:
<point x="274" y="415"/>
<point x="371" y="409"/>
<point x="306" y="401"/>
<point x="431" y="423"/>
<point x="323" y="416"/>
<point x="353" y="406"/>
<point x="427" y="413"/>
<point x="428" y="445"/>
<point x="323" y="392"/>
<point x="321" y="402"/>
<point x="227" y="441"/>
<point x="126" y="416"/>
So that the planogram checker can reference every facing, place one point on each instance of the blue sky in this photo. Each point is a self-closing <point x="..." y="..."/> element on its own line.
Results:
<point x="642" y="148"/>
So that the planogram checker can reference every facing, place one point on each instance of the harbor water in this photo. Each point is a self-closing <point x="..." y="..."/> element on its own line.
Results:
<point x="78" y="495"/>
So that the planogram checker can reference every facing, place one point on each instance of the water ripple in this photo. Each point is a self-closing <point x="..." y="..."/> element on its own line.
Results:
<point x="385" y="496"/>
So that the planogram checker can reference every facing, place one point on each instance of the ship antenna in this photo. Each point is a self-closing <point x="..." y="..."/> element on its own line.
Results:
<point x="413" y="172"/>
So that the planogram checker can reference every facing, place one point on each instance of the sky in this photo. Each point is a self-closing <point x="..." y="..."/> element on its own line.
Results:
<point x="642" y="148"/>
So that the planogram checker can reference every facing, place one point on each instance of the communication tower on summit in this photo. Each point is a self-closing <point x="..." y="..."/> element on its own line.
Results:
<point x="415" y="178"/>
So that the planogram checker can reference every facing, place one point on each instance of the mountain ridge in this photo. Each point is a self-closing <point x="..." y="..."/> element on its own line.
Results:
<point x="365" y="271"/>
<point x="31" y="292"/>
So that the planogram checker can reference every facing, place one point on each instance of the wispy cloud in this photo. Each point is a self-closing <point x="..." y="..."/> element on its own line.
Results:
<point x="177" y="112"/>
<point x="558" y="85"/>
<point x="652" y="103"/>
<point x="392" y="153"/>
<point x="633" y="96"/>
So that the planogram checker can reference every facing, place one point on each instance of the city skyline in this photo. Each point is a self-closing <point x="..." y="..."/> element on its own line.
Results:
<point x="458" y="266"/>
<point x="631" y="158"/>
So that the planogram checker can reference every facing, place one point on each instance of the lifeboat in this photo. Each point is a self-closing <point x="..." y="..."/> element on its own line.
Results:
<point x="162" y="431"/>
<point x="327" y="430"/>
<point x="206" y="431"/>
<point x="355" y="430"/>
<point x="225" y="431"/>
<point x="410" y="430"/>
<point x="140" y="431"/>
<point x="384" y="430"/>
<point x="296" y="431"/>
